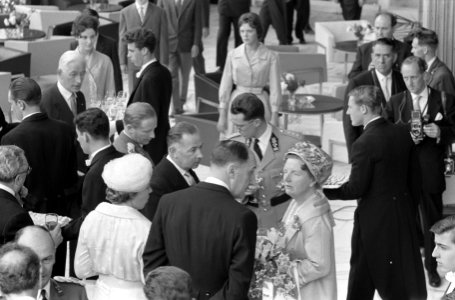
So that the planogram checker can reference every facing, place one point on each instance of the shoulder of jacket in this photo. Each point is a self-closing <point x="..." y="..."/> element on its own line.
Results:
<point x="292" y="134"/>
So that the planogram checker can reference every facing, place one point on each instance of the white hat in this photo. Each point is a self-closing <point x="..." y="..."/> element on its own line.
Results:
<point x="130" y="173"/>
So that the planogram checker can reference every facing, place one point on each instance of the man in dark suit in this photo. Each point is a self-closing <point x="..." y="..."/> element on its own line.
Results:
<point x="185" y="34"/>
<point x="146" y="15"/>
<point x="385" y="254"/>
<point x="438" y="75"/>
<point x="175" y="171"/>
<point x="436" y="111"/>
<point x="92" y="127"/>
<point x="351" y="9"/>
<point x="218" y="243"/>
<point x="389" y="82"/>
<point x="229" y="12"/>
<point x="40" y="241"/>
<point x="273" y="12"/>
<point x="199" y="61"/>
<point x="302" y="7"/>
<point x="13" y="171"/>
<point x="154" y="86"/>
<point x="384" y="24"/>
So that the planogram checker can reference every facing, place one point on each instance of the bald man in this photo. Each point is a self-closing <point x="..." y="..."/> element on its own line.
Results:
<point x="40" y="241"/>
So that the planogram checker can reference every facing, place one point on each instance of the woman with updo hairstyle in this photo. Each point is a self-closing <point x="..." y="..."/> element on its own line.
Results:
<point x="250" y="67"/>
<point x="308" y="221"/>
<point x="112" y="237"/>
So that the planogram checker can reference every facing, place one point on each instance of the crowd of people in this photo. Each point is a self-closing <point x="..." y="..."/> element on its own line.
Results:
<point x="144" y="226"/>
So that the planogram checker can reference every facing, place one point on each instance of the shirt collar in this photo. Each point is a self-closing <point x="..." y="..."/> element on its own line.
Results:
<point x="138" y="74"/>
<point x="423" y="94"/>
<point x="381" y="76"/>
<point x="88" y="162"/>
<point x="430" y="63"/>
<point x="47" y="288"/>
<point x="145" y="6"/>
<point x="182" y="171"/>
<point x="374" y="119"/>
<point x="214" y="180"/>
<point x="65" y="93"/>
<point x="29" y="115"/>
<point x="8" y="189"/>
<point x="265" y="138"/>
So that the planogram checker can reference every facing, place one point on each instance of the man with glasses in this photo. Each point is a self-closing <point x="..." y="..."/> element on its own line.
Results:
<point x="269" y="143"/>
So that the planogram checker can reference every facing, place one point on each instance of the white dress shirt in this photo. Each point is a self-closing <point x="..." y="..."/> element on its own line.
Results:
<point x="423" y="102"/>
<point x="386" y="88"/>
<point x="65" y="93"/>
<point x="214" y="180"/>
<point x="181" y="171"/>
<point x="264" y="139"/>
<point x="138" y="74"/>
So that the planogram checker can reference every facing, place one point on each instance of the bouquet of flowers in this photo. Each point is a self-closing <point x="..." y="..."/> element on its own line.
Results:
<point x="18" y="19"/>
<point x="290" y="82"/>
<point x="272" y="264"/>
<point x="7" y="6"/>
<point x="360" y="30"/>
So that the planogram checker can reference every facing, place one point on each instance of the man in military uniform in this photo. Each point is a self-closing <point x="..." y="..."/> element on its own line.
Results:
<point x="269" y="143"/>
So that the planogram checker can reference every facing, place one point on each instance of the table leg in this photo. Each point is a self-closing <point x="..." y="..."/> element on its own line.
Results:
<point x="345" y="77"/>
<point x="285" y="121"/>
<point x="321" y="123"/>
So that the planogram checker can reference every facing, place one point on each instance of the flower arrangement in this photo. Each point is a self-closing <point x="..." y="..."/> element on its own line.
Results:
<point x="290" y="82"/>
<point x="360" y="30"/>
<point x="18" y="19"/>
<point x="7" y="6"/>
<point x="272" y="264"/>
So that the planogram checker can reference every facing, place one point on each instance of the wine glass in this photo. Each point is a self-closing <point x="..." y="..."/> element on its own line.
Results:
<point x="51" y="221"/>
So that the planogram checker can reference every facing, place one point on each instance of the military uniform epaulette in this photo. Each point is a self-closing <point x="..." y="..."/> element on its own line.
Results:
<point x="292" y="134"/>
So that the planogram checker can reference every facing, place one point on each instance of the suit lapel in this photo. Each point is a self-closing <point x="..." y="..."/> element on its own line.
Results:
<point x="272" y="147"/>
<point x="434" y="104"/>
<point x="185" y="5"/>
<point x="194" y="175"/>
<point x="174" y="173"/>
<point x="377" y="84"/>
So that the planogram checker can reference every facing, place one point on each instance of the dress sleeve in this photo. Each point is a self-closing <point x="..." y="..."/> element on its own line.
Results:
<point x="274" y="81"/>
<point x="226" y="83"/>
<point x="122" y="47"/>
<point x="110" y="82"/>
<point x="83" y="266"/>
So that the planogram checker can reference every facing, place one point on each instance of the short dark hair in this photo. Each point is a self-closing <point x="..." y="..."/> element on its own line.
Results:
<point x="84" y="22"/>
<point x="420" y="62"/>
<point x="141" y="38"/>
<point x="19" y="269"/>
<point x="249" y="105"/>
<point x="25" y="89"/>
<point x="137" y="112"/>
<point x="367" y="95"/>
<point x="90" y="12"/>
<point x="445" y="225"/>
<point x="93" y="121"/>
<point x="253" y="20"/>
<point x="168" y="283"/>
<point x="386" y="42"/>
<point x="392" y="17"/>
<point x="428" y="38"/>
<point x="229" y="151"/>
<point x="178" y="130"/>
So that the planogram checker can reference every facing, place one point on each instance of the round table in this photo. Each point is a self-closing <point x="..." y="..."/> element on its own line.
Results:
<point x="346" y="47"/>
<point x="29" y="35"/>
<point x="321" y="105"/>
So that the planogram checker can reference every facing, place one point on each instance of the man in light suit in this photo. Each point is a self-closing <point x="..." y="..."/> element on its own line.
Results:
<point x="384" y="24"/>
<point x="184" y="19"/>
<point x="142" y="14"/>
<point x="438" y="75"/>
<point x="385" y="253"/>
<point x="40" y="241"/>
<point x="266" y="199"/>
<point x="437" y="112"/>
<point x="383" y="76"/>
<point x="175" y="171"/>
<point x="154" y="86"/>
<point x="217" y="244"/>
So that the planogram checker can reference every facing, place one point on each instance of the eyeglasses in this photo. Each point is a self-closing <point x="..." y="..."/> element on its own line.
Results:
<point x="27" y="172"/>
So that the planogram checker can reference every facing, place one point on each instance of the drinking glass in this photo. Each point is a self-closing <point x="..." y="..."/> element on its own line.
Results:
<point x="51" y="221"/>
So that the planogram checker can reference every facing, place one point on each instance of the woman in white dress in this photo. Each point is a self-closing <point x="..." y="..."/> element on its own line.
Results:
<point x="113" y="236"/>
<point x="99" y="74"/>
<point x="308" y="221"/>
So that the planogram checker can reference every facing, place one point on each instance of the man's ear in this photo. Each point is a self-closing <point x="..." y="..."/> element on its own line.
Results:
<point x="21" y="104"/>
<point x="363" y="108"/>
<point x="232" y="170"/>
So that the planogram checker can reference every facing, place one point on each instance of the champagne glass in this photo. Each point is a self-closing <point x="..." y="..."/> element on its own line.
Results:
<point x="51" y="221"/>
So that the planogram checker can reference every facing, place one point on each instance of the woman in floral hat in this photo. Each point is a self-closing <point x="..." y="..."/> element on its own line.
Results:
<point x="308" y="222"/>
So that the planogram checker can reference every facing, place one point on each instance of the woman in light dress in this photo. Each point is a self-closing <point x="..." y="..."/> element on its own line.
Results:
<point x="309" y="222"/>
<point x="99" y="74"/>
<point x="113" y="236"/>
<point x="250" y="67"/>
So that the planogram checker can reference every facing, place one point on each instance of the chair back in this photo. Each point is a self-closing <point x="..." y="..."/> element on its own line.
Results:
<point x="283" y="48"/>
<point x="206" y="90"/>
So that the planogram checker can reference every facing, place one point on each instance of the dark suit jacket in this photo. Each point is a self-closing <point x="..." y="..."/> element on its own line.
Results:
<point x="67" y="291"/>
<point x="440" y="77"/>
<point x="363" y="58"/>
<point x="351" y="133"/>
<point x="430" y="153"/>
<point x="93" y="190"/>
<point x="51" y="152"/>
<point x="217" y="243"/>
<point x="5" y="127"/>
<point x="12" y="217"/>
<point x="165" y="179"/>
<point x="233" y="8"/>
<point x="109" y="47"/>
<point x="155" y="87"/>
<point x="384" y="221"/>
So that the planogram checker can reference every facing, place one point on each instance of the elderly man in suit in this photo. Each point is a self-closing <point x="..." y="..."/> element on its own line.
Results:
<point x="385" y="254"/>
<point x="438" y="75"/>
<point x="49" y="146"/>
<point x="92" y="127"/>
<point x="40" y="241"/>
<point x="436" y="111"/>
<point x="185" y="32"/>
<point x="384" y="24"/>
<point x="13" y="171"/>
<point x="142" y="14"/>
<point x="175" y="171"/>
<point x="154" y="86"/>
<point x="269" y="143"/>
<point x="229" y="13"/>
<point x="383" y="76"/>
<point x="218" y="243"/>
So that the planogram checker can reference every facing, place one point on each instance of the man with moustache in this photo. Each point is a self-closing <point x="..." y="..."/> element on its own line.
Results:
<point x="175" y="171"/>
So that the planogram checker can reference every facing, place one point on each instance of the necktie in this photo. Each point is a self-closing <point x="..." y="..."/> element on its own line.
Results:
<point x="189" y="179"/>
<point x="386" y="89"/>
<point x="141" y="13"/>
<point x="43" y="294"/>
<point x="73" y="105"/>
<point x="257" y="149"/>
<point x="416" y="103"/>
